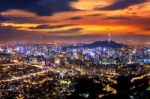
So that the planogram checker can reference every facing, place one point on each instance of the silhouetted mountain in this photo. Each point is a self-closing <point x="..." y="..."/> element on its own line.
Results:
<point x="111" y="44"/>
<point x="104" y="44"/>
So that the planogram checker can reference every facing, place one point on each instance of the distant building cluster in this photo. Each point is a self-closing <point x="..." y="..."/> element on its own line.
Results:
<point x="57" y="55"/>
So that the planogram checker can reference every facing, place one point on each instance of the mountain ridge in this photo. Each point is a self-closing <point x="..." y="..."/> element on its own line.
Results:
<point x="95" y="44"/>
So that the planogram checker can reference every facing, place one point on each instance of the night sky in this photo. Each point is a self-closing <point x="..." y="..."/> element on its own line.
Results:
<point x="75" y="20"/>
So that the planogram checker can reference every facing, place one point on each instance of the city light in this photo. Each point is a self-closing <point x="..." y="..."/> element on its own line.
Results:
<point x="74" y="49"/>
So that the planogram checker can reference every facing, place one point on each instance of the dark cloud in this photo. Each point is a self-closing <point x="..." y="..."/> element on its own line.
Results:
<point x="72" y="31"/>
<point x="51" y="27"/>
<point x="75" y="18"/>
<point x="122" y="4"/>
<point x="25" y="19"/>
<point x="3" y="18"/>
<point x="39" y="7"/>
<point x="94" y="15"/>
<point x="118" y="18"/>
<point x="147" y="29"/>
<point x="22" y="19"/>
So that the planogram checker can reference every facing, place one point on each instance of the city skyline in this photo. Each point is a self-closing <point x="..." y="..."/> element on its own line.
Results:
<point x="74" y="49"/>
<point x="75" y="20"/>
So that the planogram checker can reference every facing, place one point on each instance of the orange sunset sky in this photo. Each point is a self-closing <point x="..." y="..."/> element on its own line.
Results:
<point x="82" y="20"/>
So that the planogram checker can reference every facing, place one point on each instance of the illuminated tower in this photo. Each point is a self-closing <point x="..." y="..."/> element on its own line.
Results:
<point x="109" y="37"/>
